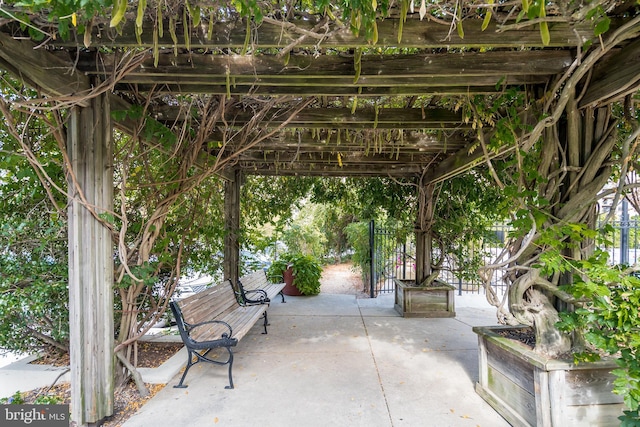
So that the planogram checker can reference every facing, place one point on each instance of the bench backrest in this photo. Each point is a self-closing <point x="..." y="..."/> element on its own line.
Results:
<point x="255" y="280"/>
<point x="214" y="302"/>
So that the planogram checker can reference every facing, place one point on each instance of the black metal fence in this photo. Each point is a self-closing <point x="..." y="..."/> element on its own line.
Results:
<point x="393" y="255"/>
<point x="624" y="246"/>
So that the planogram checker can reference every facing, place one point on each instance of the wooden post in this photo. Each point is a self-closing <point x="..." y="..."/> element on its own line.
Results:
<point x="423" y="232"/>
<point x="90" y="182"/>
<point x="232" y="225"/>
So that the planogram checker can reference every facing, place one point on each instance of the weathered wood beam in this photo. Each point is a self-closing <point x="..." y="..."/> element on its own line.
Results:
<point x="337" y="118"/>
<point x="271" y="69"/>
<point x="329" y="170"/>
<point x="328" y="141"/>
<point x="614" y="77"/>
<point x="47" y="73"/>
<point x="471" y="72"/>
<point x="337" y="157"/>
<point x="91" y="249"/>
<point x="491" y="85"/>
<point x="183" y="83"/>
<point x="415" y="34"/>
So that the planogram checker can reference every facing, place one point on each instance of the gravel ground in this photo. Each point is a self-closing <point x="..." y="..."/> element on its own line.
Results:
<point x="341" y="279"/>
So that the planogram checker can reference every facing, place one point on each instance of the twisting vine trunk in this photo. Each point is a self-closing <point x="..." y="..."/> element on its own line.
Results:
<point x="573" y="166"/>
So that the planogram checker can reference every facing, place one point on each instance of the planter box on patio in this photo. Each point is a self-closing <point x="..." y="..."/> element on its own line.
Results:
<point x="436" y="300"/>
<point x="528" y="389"/>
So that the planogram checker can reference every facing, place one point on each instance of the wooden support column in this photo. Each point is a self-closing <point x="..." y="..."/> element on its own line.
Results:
<point x="90" y="182"/>
<point x="232" y="226"/>
<point x="423" y="231"/>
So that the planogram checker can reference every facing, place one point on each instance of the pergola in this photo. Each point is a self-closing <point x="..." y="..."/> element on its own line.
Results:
<point x="338" y="105"/>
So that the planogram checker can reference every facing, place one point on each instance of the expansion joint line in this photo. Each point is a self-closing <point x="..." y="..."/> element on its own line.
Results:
<point x="375" y="363"/>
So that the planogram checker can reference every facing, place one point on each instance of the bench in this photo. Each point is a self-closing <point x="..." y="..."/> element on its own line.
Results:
<point x="255" y="288"/>
<point x="213" y="319"/>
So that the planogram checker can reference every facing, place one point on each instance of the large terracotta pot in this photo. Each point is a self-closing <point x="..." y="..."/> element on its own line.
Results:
<point x="289" y="288"/>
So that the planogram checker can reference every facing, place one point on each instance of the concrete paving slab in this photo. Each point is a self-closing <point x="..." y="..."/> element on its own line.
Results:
<point x="327" y="360"/>
<point x="21" y="375"/>
<point x="292" y="334"/>
<point x="317" y="305"/>
<point x="381" y="306"/>
<point x="327" y="365"/>
<point x="428" y="368"/>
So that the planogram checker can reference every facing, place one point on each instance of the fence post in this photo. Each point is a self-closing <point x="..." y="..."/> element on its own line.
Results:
<point x="372" y="250"/>
<point x="624" y="233"/>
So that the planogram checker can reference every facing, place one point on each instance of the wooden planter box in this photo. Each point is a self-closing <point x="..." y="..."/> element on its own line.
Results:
<point x="424" y="301"/>
<point x="528" y="389"/>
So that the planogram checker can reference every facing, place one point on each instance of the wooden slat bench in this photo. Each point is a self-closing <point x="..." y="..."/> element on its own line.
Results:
<point x="213" y="319"/>
<point x="255" y="288"/>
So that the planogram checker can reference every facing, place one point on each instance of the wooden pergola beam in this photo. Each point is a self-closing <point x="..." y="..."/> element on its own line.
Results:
<point x="330" y="170"/>
<point x="44" y="71"/>
<point x="272" y="34"/>
<point x="337" y="118"/>
<point x="375" y="67"/>
<point x="328" y="141"/>
<point x="472" y="72"/>
<point x="615" y="77"/>
<point x="435" y="89"/>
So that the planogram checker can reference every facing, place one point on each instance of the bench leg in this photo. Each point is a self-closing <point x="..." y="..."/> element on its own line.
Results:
<point x="230" y="362"/>
<point x="266" y="322"/>
<point x="190" y="363"/>
<point x="282" y="295"/>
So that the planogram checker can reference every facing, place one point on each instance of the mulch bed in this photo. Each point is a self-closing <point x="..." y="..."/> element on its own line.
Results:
<point x="127" y="400"/>
<point x="524" y="335"/>
<point x="150" y="355"/>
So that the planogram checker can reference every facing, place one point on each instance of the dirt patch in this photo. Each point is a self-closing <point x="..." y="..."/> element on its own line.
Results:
<point x="154" y="354"/>
<point x="341" y="279"/>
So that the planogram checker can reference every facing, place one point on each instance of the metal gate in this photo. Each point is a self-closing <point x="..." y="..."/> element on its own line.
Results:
<point x="393" y="255"/>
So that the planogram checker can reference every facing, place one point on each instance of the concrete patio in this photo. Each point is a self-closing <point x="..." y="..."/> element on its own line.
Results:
<point x="340" y="361"/>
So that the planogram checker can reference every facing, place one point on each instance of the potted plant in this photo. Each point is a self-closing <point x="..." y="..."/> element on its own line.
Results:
<point x="596" y="376"/>
<point x="301" y="273"/>
<point x="431" y="298"/>
<point x="581" y="368"/>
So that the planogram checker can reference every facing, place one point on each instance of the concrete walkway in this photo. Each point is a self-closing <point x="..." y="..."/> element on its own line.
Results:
<point x="334" y="360"/>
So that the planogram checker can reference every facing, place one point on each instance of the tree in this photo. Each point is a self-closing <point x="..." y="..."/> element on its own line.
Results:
<point x="34" y="313"/>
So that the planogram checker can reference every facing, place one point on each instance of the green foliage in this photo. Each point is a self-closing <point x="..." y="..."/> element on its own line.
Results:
<point x="43" y="399"/>
<point x="610" y="320"/>
<point x="606" y="301"/>
<point x="306" y="271"/>
<point x="358" y="236"/>
<point x="304" y="234"/>
<point x="466" y="211"/>
<point x="66" y="15"/>
<point x="47" y="399"/>
<point x="33" y="243"/>
<point x="15" y="399"/>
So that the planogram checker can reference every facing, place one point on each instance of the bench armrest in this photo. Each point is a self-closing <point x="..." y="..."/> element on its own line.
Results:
<point x="261" y="297"/>
<point x="209" y="322"/>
